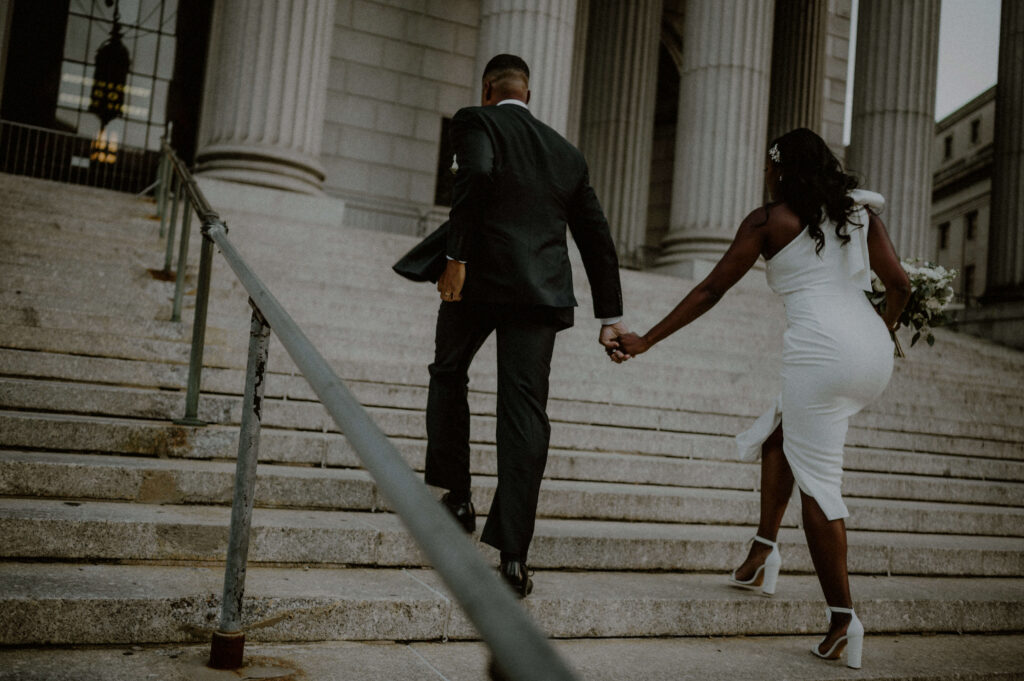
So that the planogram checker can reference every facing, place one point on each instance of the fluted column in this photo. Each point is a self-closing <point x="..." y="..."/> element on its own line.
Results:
<point x="266" y="85"/>
<point x="618" y="117"/>
<point x="720" y="136"/>
<point x="542" y="33"/>
<point x="1005" y="275"/>
<point x="798" y="66"/>
<point x="893" y="124"/>
<point x="579" y="64"/>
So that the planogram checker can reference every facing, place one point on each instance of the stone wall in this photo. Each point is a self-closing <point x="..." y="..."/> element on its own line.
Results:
<point x="837" y="57"/>
<point x="398" y="67"/>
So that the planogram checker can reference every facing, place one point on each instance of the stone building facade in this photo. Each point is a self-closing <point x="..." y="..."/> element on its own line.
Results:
<point x="962" y="193"/>
<point x="672" y="102"/>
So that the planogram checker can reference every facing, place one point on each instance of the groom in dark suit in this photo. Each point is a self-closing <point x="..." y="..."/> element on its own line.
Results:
<point x="518" y="184"/>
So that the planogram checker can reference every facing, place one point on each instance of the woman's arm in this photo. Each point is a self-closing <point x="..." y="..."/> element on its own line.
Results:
<point x="737" y="261"/>
<point x="886" y="265"/>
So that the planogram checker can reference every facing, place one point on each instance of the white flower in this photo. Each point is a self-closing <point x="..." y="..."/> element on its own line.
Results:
<point x="774" y="154"/>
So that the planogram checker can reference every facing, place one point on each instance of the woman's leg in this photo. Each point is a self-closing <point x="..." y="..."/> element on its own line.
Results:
<point x="776" y="488"/>
<point x="826" y="540"/>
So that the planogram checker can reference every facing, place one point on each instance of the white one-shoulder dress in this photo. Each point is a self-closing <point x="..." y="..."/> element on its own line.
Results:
<point x="837" y="355"/>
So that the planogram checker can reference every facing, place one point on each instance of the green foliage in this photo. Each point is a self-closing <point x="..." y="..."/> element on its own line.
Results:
<point x="931" y="293"/>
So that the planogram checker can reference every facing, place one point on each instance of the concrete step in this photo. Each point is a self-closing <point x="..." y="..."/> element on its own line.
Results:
<point x="905" y="657"/>
<point x="567" y="398"/>
<point x="53" y="474"/>
<point x="105" y="435"/>
<point x="696" y="394"/>
<point x="76" y="531"/>
<point x="727" y="415"/>
<point x="941" y="357"/>
<point x="586" y="426"/>
<point x="566" y="499"/>
<point x="939" y="354"/>
<point x="59" y="604"/>
<point x="973" y="390"/>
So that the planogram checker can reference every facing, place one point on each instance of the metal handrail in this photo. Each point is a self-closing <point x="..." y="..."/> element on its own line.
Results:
<point x="519" y="647"/>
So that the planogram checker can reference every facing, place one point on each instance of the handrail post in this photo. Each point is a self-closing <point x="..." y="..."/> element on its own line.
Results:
<point x="163" y="176"/>
<point x="195" y="362"/>
<point x="228" y="642"/>
<point x="178" y="185"/>
<point x="179" y="279"/>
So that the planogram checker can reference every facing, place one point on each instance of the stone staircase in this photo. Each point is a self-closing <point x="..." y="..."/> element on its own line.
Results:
<point x="113" y="520"/>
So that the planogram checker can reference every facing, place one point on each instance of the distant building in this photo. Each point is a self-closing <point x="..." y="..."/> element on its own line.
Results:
<point x="962" y="193"/>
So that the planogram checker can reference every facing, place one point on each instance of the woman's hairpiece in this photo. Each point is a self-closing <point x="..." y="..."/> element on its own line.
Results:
<point x="774" y="154"/>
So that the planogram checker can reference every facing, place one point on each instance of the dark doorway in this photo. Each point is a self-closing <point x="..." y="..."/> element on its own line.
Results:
<point x="49" y="109"/>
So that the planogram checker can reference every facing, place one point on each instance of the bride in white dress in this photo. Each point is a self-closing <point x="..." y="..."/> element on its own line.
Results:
<point x="821" y="238"/>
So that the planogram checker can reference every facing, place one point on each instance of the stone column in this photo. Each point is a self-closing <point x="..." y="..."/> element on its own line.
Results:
<point x="893" y="125"/>
<point x="542" y="33"/>
<point x="265" y="90"/>
<point x="721" y="133"/>
<point x="1005" y="278"/>
<point x="618" y="116"/>
<point x="798" y="66"/>
<point x="579" y="63"/>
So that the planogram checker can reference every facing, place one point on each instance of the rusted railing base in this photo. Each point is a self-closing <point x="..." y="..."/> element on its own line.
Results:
<point x="186" y="421"/>
<point x="226" y="650"/>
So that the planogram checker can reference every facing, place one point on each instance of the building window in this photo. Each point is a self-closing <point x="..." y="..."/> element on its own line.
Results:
<point x="943" y="236"/>
<point x="147" y="30"/>
<point x="971" y="220"/>
<point x="968" y="282"/>
<point x="947" y="148"/>
<point x="975" y="131"/>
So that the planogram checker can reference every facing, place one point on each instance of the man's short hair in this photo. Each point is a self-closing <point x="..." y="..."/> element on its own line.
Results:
<point x="504" y="64"/>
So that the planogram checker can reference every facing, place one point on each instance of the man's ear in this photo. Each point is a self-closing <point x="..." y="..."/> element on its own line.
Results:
<point x="527" y="96"/>
<point x="487" y="93"/>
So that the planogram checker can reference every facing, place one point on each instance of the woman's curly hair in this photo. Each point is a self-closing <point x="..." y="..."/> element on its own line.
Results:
<point x="813" y="183"/>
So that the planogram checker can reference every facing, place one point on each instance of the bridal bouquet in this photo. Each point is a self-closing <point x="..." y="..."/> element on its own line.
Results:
<point x="931" y="292"/>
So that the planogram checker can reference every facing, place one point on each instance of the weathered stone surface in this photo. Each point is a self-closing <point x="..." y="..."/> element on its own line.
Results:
<point x="643" y="489"/>
<point x="60" y="604"/>
<point x="892" y="658"/>
<point x="89" y="530"/>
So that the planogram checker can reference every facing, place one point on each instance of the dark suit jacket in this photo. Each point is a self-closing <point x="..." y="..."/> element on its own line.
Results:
<point x="518" y="184"/>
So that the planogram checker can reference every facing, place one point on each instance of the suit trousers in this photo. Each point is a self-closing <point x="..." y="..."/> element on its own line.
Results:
<point x="525" y="342"/>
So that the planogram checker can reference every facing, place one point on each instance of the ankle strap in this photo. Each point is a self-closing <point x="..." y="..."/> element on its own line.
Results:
<point x="845" y="611"/>
<point x="765" y="541"/>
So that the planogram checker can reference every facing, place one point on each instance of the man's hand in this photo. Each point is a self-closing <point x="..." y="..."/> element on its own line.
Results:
<point x="607" y="338"/>
<point x="451" y="281"/>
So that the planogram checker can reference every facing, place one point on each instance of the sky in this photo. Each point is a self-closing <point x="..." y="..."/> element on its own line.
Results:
<point x="968" y="54"/>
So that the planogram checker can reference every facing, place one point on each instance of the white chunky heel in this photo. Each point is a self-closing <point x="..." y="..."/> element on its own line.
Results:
<point x="852" y="640"/>
<point x="767" y="575"/>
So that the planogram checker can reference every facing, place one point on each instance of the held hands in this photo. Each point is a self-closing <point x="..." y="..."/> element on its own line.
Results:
<point x="632" y="344"/>
<point x="610" y="333"/>
<point x="449" y="284"/>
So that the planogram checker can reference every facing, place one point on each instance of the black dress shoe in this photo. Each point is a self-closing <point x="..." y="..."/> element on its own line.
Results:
<point x="517" y="576"/>
<point x="464" y="513"/>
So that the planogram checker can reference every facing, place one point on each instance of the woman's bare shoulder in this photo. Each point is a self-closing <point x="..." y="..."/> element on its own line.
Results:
<point x="770" y="216"/>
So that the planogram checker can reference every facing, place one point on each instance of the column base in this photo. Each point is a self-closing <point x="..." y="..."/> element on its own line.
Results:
<point x="263" y="168"/>
<point x="231" y="197"/>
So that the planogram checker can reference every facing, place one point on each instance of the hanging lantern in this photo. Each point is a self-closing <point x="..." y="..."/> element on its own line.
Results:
<point x="111" y="76"/>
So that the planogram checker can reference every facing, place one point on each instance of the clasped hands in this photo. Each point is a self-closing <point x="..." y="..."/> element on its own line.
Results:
<point x="620" y="343"/>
